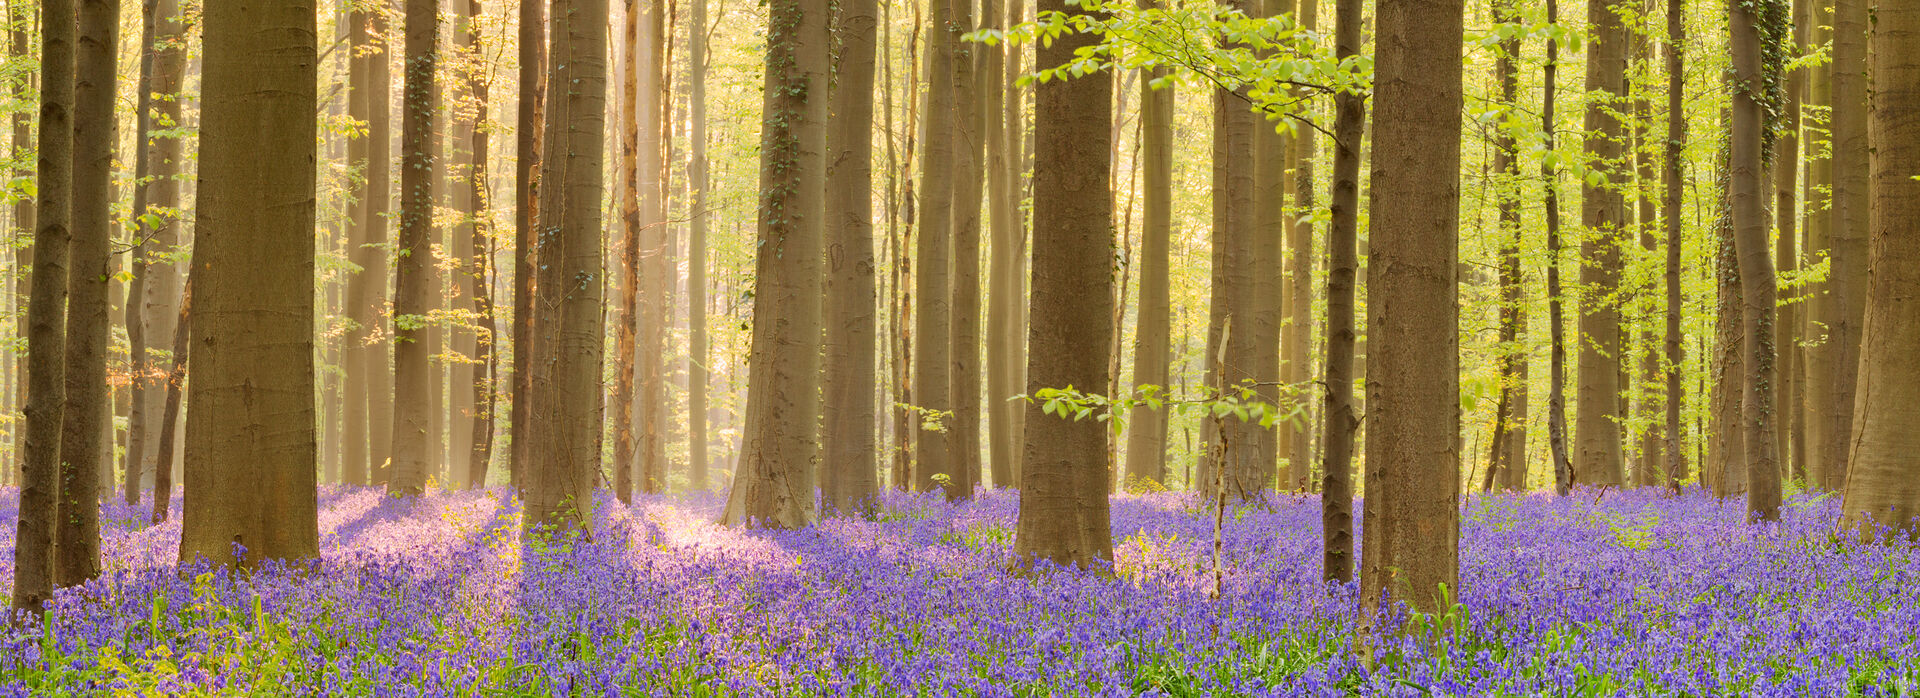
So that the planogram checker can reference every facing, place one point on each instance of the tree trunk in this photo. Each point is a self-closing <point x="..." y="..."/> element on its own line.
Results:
<point x="476" y="283"/>
<point x="170" y="413"/>
<point x="932" y="282"/>
<point x="23" y="19"/>
<point x="1237" y="264"/>
<point x="1299" y="338"/>
<point x="773" y="482"/>
<point x="1147" y="425"/>
<point x="697" y="353"/>
<point x="1563" y="472"/>
<point x="1842" y="306"/>
<point x="250" y="436"/>
<point x="82" y="451"/>
<point x="1343" y="262"/>
<point x="462" y="333"/>
<point x="1597" y="455"/>
<point x="848" y="448"/>
<point x="650" y="71"/>
<point x="1507" y="459"/>
<point x="529" y="141"/>
<point x="1747" y="199"/>
<point x="1817" y="204"/>
<point x="33" y="553"/>
<point x="624" y="329"/>
<point x="1675" y="150"/>
<point x="1064" y="473"/>
<point x="1410" y="545"/>
<point x="137" y="370"/>
<point x="564" y="406"/>
<point x="380" y="347"/>
<point x="357" y="356"/>
<point x="1882" y="490"/>
<point x="1786" y="170"/>
<point x="963" y="442"/>
<point x="1726" y="471"/>
<point x="1000" y="117"/>
<point x="414" y="278"/>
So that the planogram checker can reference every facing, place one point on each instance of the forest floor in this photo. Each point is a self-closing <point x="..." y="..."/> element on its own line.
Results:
<point x="1589" y="595"/>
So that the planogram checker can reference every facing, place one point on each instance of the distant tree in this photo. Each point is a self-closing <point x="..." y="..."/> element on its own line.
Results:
<point x="1881" y="478"/>
<point x="476" y="222"/>
<point x="1841" y="305"/>
<point x="1672" y="201"/>
<point x="848" y="438"/>
<point x="1235" y="301"/>
<point x="45" y="408"/>
<point x="1064" y="472"/>
<point x="963" y="377"/>
<point x="1006" y="307"/>
<point x="564" y="407"/>
<point x="1507" y="457"/>
<point x="1410" y="540"/>
<point x="1561" y="458"/>
<point x="628" y="193"/>
<point x="700" y="182"/>
<point x="1298" y="339"/>
<point x="773" y="484"/>
<point x="170" y="412"/>
<point x="414" y="278"/>
<point x="250" y="415"/>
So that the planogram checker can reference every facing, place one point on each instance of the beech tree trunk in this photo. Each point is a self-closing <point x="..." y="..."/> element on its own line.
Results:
<point x="564" y="406"/>
<point x="1343" y="263"/>
<point x="83" y="453"/>
<point x="933" y="310"/>
<point x="697" y="352"/>
<point x="850" y="452"/>
<point x="1726" y="473"/>
<point x="650" y="72"/>
<point x="1507" y="456"/>
<point x="1842" y="305"/>
<point x="1882" y="488"/>
<point x="1786" y="170"/>
<point x="627" y="173"/>
<point x="529" y="140"/>
<point x="476" y="280"/>
<point x="40" y="500"/>
<point x="1563" y="471"/>
<point x="1410" y="546"/>
<point x="1597" y="455"/>
<point x="170" y="412"/>
<point x="250" y="443"/>
<point x="1672" y="202"/>
<point x="1746" y="170"/>
<point x="1234" y="301"/>
<point x="1064" y="473"/>
<point x="1146" y="425"/>
<point x="1817" y="199"/>
<point x="773" y="482"/>
<point x="137" y="442"/>
<point x="414" y="280"/>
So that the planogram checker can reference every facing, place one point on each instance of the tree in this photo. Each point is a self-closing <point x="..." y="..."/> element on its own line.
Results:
<point x="1747" y="146"/>
<point x="651" y="109"/>
<point x="479" y="374"/>
<point x="250" y="414"/>
<point x="963" y="373"/>
<point x="528" y="148"/>
<point x="1299" y="337"/>
<point x="1410" y="543"/>
<point x="1672" y="202"/>
<point x="1597" y="453"/>
<point x="1840" y="307"/>
<point x="773" y="483"/>
<point x="1237" y="263"/>
<point x="627" y="180"/>
<point x="933" y="288"/>
<point x="33" y="569"/>
<point x="414" y="279"/>
<point x="1343" y="262"/>
<point x="1006" y="362"/>
<point x="1789" y="423"/>
<point x="1880" y="489"/>
<point x="1147" y="426"/>
<point x="1507" y="458"/>
<point x="849" y="449"/>
<point x="1064" y="472"/>
<point x="1563" y="473"/>
<point x="697" y="354"/>
<point x="82" y="452"/>
<point x="564" y="407"/>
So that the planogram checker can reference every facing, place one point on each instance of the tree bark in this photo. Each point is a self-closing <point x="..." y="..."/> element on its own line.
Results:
<point x="1597" y="455"/>
<point x="250" y="413"/>
<point x="1235" y="293"/>
<point x="564" y="406"/>
<point x="1672" y="202"/>
<point x="627" y="179"/>
<point x="848" y="436"/>
<point x="170" y="412"/>
<point x="1817" y="204"/>
<point x="963" y="376"/>
<point x="414" y="280"/>
<point x="23" y="18"/>
<point x="529" y="143"/>
<point x="1001" y="119"/>
<point x="773" y="482"/>
<point x="1882" y="490"/>
<point x="1410" y="544"/>
<point x="1842" y="306"/>
<point x="475" y="283"/>
<point x="33" y="553"/>
<point x="933" y="293"/>
<point x="650" y="71"/>
<point x="1299" y="337"/>
<point x="1343" y="262"/>
<point x="138" y="443"/>
<point x="1563" y="472"/>
<point x="1726" y="472"/>
<point x="1063" y="515"/>
<point x="380" y="347"/>
<point x="1747" y="200"/>
<point x="83" y="453"/>
<point x="1147" y="425"/>
<point x="1786" y="170"/>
